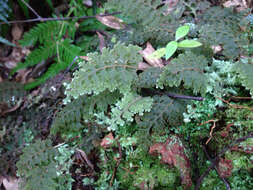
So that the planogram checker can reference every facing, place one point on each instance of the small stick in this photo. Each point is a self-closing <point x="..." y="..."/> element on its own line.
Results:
<point x="39" y="17"/>
<point x="117" y="164"/>
<point x="55" y="19"/>
<point x="215" y="160"/>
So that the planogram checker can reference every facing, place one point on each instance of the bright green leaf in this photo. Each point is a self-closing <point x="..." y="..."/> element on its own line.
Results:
<point x="170" y="49"/>
<point x="182" y="32"/>
<point x="189" y="44"/>
<point x="158" y="53"/>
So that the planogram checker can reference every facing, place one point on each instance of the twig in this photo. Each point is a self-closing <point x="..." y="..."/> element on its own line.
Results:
<point x="215" y="160"/>
<point x="117" y="164"/>
<point x="241" y="98"/>
<point x="56" y="19"/>
<point x="211" y="132"/>
<point x="39" y="17"/>
<point x="85" y="157"/>
<point x="234" y="105"/>
<point x="215" y="167"/>
<point x="172" y="95"/>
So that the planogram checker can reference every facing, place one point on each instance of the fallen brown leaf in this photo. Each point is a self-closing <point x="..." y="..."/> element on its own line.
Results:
<point x="239" y="4"/>
<point x="107" y="141"/>
<point x="143" y="66"/>
<point x="172" y="152"/>
<point x="151" y="61"/>
<point x="11" y="183"/>
<point x="112" y="22"/>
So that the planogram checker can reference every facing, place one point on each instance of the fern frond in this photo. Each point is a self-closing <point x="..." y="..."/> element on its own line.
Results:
<point x="127" y="107"/>
<point x="113" y="69"/>
<point x="42" y="32"/>
<point x="245" y="74"/>
<point x="4" y="10"/>
<point x="165" y="112"/>
<point x="39" y="54"/>
<point x="222" y="27"/>
<point x="83" y="108"/>
<point x="37" y="166"/>
<point x="186" y="69"/>
<point x="66" y="53"/>
<point x="147" y="19"/>
<point x="148" y="78"/>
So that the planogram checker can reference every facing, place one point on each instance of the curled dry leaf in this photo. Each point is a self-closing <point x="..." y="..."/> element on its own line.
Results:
<point x="151" y="61"/>
<point x="85" y="58"/>
<point x="88" y="3"/>
<point x="101" y="41"/>
<point x="107" y="141"/>
<point x="143" y="66"/>
<point x="172" y="152"/>
<point x="225" y="168"/>
<point x="171" y="5"/>
<point x="239" y="4"/>
<point x="217" y="49"/>
<point x="11" y="183"/>
<point x="112" y="22"/>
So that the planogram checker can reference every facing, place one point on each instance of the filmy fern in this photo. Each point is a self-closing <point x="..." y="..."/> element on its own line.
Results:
<point x="245" y="74"/>
<point x="188" y="69"/>
<point x="147" y="20"/>
<point x="38" y="167"/>
<point x="113" y="69"/>
<point x="223" y="27"/>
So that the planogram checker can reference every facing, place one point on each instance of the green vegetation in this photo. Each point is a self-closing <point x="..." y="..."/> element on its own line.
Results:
<point x="114" y="125"/>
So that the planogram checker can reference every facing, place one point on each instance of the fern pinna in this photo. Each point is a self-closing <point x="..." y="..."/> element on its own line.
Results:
<point x="52" y="43"/>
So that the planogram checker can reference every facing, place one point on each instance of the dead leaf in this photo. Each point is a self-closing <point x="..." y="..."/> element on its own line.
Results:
<point x="112" y="22"/>
<point x="151" y="61"/>
<point x="239" y="4"/>
<point x="88" y="3"/>
<point x="143" y="66"/>
<point x="101" y="41"/>
<point x="171" y="5"/>
<point x="172" y="152"/>
<point x="16" y="32"/>
<point x="11" y="183"/>
<point x="225" y="168"/>
<point x="86" y="58"/>
<point x="217" y="49"/>
<point x="107" y="141"/>
<point x="85" y="157"/>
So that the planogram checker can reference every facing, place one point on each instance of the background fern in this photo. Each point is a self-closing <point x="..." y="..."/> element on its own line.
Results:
<point x="49" y="35"/>
<point x="4" y="13"/>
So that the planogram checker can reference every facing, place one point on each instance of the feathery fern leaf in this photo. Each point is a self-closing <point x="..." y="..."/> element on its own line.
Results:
<point x="147" y="19"/>
<point x="113" y="69"/>
<point x="188" y="69"/>
<point x="148" y="78"/>
<point x="245" y="72"/>
<point x="127" y="107"/>
<point x="83" y="108"/>
<point x="222" y="27"/>
<point x="37" y="166"/>
<point x="165" y="112"/>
